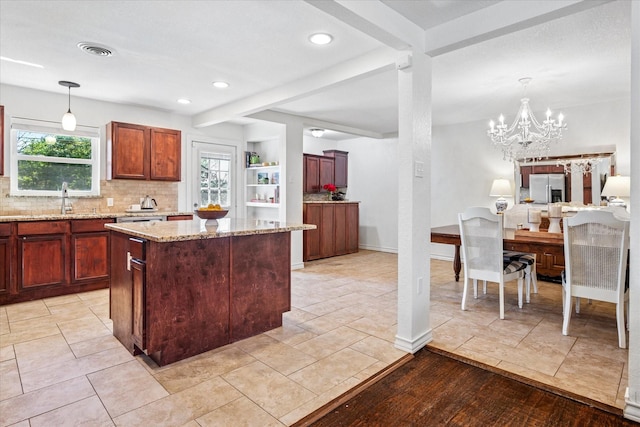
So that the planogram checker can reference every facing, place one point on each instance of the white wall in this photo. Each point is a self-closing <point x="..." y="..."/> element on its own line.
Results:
<point x="39" y="105"/>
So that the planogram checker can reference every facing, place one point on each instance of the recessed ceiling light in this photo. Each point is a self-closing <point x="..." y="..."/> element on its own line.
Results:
<point x="184" y="101"/>
<point x="320" y="38"/>
<point x="317" y="133"/>
<point x="220" y="84"/>
<point x="17" y="61"/>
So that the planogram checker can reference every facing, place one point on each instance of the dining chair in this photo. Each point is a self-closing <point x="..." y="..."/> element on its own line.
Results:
<point x="596" y="246"/>
<point x="481" y="235"/>
<point x="514" y="217"/>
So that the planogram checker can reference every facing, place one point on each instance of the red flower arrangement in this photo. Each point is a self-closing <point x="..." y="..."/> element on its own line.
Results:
<point x="330" y="188"/>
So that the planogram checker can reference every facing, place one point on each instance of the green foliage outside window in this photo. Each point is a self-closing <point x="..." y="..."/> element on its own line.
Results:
<point x="45" y="161"/>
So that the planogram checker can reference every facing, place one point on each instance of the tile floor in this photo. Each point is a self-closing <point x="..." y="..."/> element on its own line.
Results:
<point x="60" y="365"/>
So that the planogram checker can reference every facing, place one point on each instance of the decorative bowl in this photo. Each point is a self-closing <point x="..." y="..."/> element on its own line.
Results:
<point x="210" y="214"/>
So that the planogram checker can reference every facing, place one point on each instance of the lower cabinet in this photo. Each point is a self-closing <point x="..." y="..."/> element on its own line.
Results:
<point x="549" y="258"/>
<point x="42" y="259"/>
<point x="337" y="229"/>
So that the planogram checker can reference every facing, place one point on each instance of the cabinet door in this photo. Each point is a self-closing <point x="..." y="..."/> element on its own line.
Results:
<point x="327" y="230"/>
<point x="138" y="325"/>
<point x="130" y="151"/>
<point x="5" y="264"/>
<point x="311" y="174"/>
<point x="340" y="228"/>
<point x="165" y="154"/>
<point x="90" y="256"/>
<point x="353" y="227"/>
<point x="525" y="171"/>
<point x="327" y="172"/>
<point x="341" y="171"/>
<point x="312" y="214"/>
<point x="42" y="260"/>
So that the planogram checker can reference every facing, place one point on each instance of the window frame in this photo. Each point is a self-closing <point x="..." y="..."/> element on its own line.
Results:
<point x="22" y="124"/>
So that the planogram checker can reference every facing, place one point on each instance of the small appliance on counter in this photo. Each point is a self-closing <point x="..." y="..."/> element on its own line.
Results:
<point x="148" y="203"/>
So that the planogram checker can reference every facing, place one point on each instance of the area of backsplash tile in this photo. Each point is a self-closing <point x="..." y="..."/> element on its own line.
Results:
<point x="123" y="192"/>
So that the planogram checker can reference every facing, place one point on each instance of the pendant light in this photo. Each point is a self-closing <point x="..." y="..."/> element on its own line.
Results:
<point x="68" y="119"/>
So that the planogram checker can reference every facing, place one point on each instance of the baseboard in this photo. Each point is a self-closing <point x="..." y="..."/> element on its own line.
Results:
<point x="297" y="266"/>
<point x="632" y="408"/>
<point x="379" y="249"/>
<point x="415" y="345"/>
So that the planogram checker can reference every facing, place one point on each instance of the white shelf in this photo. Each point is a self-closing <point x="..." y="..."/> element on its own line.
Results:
<point x="258" y="168"/>
<point x="263" y="205"/>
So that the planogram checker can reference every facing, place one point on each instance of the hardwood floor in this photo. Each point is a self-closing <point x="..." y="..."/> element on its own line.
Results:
<point x="435" y="390"/>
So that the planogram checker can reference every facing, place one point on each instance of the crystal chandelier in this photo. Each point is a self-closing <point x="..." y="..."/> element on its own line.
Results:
<point x="526" y="138"/>
<point x="578" y="166"/>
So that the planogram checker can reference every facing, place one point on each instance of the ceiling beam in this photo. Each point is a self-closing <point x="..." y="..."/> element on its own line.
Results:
<point x="373" y="62"/>
<point x="377" y="20"/>
<point x="499" y="19"/>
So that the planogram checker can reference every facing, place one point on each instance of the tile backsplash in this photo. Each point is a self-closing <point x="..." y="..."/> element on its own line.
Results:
<point x="124" y="193"/>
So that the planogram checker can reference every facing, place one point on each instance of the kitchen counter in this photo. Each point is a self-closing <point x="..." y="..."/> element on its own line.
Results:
<point x="175" y="231"/>
<point x="87" y="215"/>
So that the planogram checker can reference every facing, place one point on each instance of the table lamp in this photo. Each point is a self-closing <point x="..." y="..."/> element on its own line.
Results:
<point x="501" y="187"/>
<point x="616" y="187"/>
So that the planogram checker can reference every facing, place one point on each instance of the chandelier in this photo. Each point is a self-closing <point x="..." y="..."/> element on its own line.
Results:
<point x="526" y="138"/>
<point x="578" y="166"/>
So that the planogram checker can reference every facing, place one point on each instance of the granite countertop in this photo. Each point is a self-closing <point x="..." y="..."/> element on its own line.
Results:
<point x="330" y="201"/>
<point x="173" y="231"/>
<point x="88" y="215"/>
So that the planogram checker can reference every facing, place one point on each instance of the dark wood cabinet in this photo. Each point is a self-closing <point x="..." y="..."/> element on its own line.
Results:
<point x="42" y="254"/>
<point x="336" y="233"/>
<point x="6" y="258"/>
<point x="179" y="217"/>
<point x="317" y="171"/>
<point x="549" y="257"/>
<point x="341" y="167"/>
<point x="139" y="329"/>
<point x="41" y="259"/>
<point x="89" y="250"/>
<point x="143" y="152"/>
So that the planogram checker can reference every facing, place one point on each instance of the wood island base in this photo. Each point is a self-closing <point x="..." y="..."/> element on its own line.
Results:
<point x="173" y="300"/>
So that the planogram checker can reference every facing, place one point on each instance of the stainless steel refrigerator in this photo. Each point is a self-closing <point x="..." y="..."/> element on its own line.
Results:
<point x="547" y="188"/>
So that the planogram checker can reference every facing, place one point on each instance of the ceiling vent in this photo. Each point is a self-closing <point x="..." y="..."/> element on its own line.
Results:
<point x="95" y="49"/>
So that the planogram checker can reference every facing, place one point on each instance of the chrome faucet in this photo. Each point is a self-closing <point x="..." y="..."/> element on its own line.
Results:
<point x="66" y="206"/>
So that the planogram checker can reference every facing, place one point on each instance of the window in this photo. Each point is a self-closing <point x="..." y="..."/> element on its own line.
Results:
<point x="215" y="174"/>
<point x="44" y="156"/>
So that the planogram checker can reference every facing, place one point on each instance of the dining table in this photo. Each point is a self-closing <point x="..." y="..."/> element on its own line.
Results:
<point x="548" y="247"/>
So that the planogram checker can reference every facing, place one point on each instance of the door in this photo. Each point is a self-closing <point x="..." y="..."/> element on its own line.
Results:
<point x="539" y="187"/>
<point x="215" y="176"/>
<point x="556" y="182"/>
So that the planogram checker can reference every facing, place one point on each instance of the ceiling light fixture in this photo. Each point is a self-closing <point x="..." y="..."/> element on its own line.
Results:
<point x="184" y="101"/>
<point x="317" y="133"/>
<point x="221" y="84"/>
<point x="578" y="166"/>
<point x="526" y="138"/>
<point x="320" y="38"/>
<point x="68" y="119"/>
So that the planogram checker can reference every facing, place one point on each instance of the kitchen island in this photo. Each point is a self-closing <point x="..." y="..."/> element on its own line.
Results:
<point x="181" y="288"/>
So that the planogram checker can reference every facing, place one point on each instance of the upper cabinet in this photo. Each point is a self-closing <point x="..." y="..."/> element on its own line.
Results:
<point x="321" y="170"/>
<point x="143" y="152"/>
<point x="341" y="166"/>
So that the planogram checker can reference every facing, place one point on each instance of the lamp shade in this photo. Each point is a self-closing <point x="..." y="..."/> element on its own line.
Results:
<point x="69" y="121"/>
<point x="317" y="133"/>
<point x="500" y="187"/>
<point x="619" y="186"/>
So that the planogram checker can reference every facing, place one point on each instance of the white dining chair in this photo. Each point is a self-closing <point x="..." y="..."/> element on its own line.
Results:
<point x="596" y="246"/>
<point x="481" y="235"/>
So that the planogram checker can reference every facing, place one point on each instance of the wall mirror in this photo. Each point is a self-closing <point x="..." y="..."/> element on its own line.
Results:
<point x="575" y="179"/>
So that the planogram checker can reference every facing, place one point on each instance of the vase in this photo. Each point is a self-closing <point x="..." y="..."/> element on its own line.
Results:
<point x="329" y="196"/>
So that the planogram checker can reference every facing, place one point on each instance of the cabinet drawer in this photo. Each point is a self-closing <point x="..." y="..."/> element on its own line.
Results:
<point x="5" y="229"/>
<point x="42" y="227"/>
<point x="179" y="217"/>
<point x="136" y="248"/>
<point x="87" y="225"/>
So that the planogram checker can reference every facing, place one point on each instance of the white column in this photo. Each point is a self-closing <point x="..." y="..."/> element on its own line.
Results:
<point x="632" y="398"/>
<point x="414" y="203"/>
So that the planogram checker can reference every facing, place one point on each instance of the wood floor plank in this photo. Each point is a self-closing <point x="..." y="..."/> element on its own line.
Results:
<point x="435" y="390"/>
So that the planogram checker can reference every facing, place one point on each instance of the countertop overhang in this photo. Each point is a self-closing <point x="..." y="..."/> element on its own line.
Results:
<point x="174" y="231"/>
<point x="97" y="215"/>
